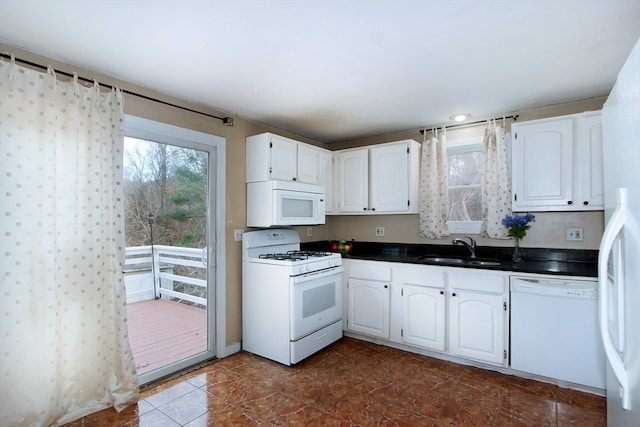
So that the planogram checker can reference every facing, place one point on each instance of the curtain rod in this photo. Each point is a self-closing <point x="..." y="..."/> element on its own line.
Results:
<point x="226" y="120"/>
<point x="479" y="122"/>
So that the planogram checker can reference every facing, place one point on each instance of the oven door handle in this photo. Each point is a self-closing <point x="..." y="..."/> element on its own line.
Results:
<point x="317" y="275"/>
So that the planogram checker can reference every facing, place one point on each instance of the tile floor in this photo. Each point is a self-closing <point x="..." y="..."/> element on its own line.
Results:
<point x="353" y="383"/>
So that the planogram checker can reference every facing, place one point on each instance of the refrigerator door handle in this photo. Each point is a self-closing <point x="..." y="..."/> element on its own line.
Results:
<point x="611" y="232"/>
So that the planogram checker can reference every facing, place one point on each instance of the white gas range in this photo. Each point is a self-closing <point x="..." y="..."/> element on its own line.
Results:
<point x="291" y="299"/>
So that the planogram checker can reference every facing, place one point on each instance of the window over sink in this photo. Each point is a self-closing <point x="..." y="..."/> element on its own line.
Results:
<point x="464" y="213"/>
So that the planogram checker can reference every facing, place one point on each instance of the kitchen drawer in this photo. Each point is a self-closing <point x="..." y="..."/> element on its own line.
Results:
<point x="479" y="281"/>
<point x="421" y="276"/>
<point x="313" y="343"/>
<point x="370" y="271"/>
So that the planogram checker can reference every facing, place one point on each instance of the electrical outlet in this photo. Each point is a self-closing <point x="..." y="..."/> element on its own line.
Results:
<point x="309" y="231"/>
<point x="237" y="235"/>
<point x="575" y="234"/>
<point x="379" y="231"/>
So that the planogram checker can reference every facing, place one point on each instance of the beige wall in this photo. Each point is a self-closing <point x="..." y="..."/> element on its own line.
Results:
<point x="548" y="231"/>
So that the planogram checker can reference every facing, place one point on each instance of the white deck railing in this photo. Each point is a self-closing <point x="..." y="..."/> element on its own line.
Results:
<point x="149" y="272"/>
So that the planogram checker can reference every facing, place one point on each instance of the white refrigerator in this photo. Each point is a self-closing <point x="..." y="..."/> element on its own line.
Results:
<point x="619" y="256"/>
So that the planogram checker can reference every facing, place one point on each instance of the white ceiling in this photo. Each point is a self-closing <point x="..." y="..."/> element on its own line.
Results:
<point x="336" y="70"/>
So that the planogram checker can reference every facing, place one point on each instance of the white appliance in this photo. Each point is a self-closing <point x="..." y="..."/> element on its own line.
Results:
<point x="284" y="203"/>
<point x="619" y="256"/>
<point x="291" y="299"/>
<point x="554" y="330"/>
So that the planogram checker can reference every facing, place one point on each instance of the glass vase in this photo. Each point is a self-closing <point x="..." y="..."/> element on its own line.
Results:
<point x="517" y="256"/>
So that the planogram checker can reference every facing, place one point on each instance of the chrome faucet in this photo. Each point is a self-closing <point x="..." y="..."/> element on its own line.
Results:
<point x="471" y="246"/>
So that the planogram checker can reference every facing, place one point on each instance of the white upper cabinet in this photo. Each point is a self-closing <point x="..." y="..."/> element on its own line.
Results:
<point x="353" y="180"/>
<point x="283" y="159"/>
<point x="557" y="163"/>
<point x="273" y="157"/>
<point x="389" y="178"/>
<point x="308" y="165"/>
<point x="542" y="163"/>
<point x="378" y="179"/>
<point x="326" y="178"/>
<point x="590" y="161"/>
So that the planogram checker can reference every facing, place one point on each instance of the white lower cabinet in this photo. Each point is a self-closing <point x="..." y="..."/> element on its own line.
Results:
<point x="423" y="317"/>
<point x="456" y="311"/>
<point x="369" y="307"/>
<point x="476" y="326"/>
<point x="368" y="295"/>
<point x="421" y="309"/>
<point x="478" y="315"/>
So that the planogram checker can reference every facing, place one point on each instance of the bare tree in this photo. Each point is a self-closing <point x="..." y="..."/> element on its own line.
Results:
<point x="171" y="183"/>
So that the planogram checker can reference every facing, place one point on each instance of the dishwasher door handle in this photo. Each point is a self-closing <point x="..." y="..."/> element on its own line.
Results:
<point x="570" y="289"/>
<point x="545" y="282"/>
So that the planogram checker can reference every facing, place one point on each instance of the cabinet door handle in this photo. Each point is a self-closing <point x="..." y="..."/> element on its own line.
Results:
<point x="294" y="178"/>
<point x="441" y="292"/>
<point x="386" y="286"/>
<point x="364" y="209"/>
<point x="453" y="294"/>
<point x="569" y="202"/>
<point x="373" y="209"/>
<point x="586" y="202"/>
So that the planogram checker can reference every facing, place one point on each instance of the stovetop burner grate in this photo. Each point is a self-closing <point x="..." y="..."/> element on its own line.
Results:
<point x="282" y="257"/>
<point x="310" y="253"/>
<point x="294" y="255"/>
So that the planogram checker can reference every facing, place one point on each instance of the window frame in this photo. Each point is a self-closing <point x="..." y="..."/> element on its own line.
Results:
<point x="161" y="132"/>
<point x="460" y="146"/>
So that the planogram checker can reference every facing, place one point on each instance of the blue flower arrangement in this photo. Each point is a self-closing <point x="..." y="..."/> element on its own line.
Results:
<point x="518" y="224"/>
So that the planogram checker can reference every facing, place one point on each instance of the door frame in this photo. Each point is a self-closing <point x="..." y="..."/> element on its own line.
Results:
<point x="151" y="130"/>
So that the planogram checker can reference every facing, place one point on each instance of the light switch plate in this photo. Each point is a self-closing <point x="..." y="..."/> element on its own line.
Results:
<point x="379" y="231"/>
<point x="237" y="235"/>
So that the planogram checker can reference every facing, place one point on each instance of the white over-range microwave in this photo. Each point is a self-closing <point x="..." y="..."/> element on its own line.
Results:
<point x="284" y="203"/>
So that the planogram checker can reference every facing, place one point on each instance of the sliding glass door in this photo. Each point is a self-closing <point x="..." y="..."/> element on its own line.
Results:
<point x="171" y="232"/>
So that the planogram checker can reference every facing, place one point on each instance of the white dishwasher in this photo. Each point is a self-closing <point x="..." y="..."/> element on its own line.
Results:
<point x="554" y="330"/>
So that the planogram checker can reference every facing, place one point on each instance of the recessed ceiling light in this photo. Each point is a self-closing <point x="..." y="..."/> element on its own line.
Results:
<point x="460" y="117"/>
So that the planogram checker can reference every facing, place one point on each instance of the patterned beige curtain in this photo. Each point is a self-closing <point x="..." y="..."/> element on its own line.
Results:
<point x="496" y="182"/>
<point x="434" y="187"/>
<point x="63" y="334"/>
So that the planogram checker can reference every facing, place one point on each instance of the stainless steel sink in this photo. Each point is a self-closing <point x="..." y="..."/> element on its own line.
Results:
<point x="428" y="259"/>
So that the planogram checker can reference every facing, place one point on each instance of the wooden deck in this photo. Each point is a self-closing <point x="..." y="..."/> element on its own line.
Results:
<point x="162" y="331"/>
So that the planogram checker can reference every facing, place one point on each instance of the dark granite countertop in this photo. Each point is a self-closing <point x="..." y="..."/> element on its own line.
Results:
<point x="568" y="262"/>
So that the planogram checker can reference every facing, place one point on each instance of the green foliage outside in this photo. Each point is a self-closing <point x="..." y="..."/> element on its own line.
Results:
<point x="171" y="183"/>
